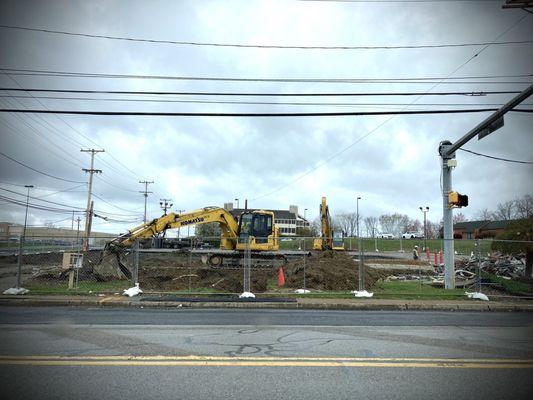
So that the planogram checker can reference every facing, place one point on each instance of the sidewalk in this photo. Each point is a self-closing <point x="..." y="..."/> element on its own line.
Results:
<point x="300" y="303"/>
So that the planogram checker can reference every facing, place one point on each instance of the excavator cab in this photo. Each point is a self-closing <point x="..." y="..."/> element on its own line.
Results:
<point x="258" y="229"/>
<point x="256" y="224"/>
<point x="338" y="240"/>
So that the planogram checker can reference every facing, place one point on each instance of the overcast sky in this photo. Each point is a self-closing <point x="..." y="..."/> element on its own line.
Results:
<point x="273" y="162"/>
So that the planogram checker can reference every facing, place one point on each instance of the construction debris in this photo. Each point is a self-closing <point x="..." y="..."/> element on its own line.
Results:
<point x="496" y="264"/>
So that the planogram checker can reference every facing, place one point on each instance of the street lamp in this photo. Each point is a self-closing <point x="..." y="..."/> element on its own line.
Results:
<point x="424" y="210"/>
<point x="237" y="201"/>
<point x="358" y="198"/>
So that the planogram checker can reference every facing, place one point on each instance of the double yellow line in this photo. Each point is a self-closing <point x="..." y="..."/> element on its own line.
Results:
<point x="216" y="361"/>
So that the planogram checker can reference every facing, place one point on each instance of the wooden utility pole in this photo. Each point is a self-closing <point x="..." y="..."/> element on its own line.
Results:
<point x="88" y="214"/>
<point x="145" y="194"/>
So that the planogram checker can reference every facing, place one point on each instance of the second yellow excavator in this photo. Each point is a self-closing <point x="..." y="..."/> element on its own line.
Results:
<point x="330" y="239"/>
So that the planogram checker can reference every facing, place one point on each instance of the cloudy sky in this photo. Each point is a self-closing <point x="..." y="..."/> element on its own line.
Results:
<point x="390" y="161"/>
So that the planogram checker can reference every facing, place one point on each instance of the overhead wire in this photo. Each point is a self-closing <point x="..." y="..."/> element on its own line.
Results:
<point x="256" y="94"/>
<point x="496" y="158"/>
<point x="189" y="101"/>
<point x="38" y="171"/>
<point x="260" y="46"/>
<point x="254" y="114"/>
<point x="421" y="80"/>
<point x="370" y="132"/>
<point x="74" y="130"/>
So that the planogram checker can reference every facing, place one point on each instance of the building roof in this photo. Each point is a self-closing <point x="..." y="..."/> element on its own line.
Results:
<point x="278" y="214"/>
<point x="470" y="226"/>
<point x="497" y="224"/>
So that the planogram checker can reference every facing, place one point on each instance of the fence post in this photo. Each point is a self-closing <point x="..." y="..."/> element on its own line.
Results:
<point x="247" y="267"/>
<point x="135" y="272"/>
<point x="19" y="262"/>
<point x="305" y="256"/>
<point x="478" y="280"/>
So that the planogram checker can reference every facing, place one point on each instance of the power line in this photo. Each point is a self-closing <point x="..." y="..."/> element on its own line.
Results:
<point x="497" y="158"/>
<point x="251" y="102"/>
<point x="39" y="199"/>
<point x="301" y="114"/>
<point x="377" y="127"/>
<point x="39" y="172"/>
<point x="113" y="205"/>
<point x="422" y="80"/>
<point x="73" y="129"/>
<point x="261" y="46"/>
<point x="455" y="93"/>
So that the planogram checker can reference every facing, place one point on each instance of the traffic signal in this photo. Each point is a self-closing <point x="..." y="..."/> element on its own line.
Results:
<point x="456" y="200"/>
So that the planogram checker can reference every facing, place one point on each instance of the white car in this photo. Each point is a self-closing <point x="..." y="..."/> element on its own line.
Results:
<point x="412" y="235"/>
<point x="386" y="236"/>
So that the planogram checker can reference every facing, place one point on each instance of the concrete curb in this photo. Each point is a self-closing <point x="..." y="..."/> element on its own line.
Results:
<point x="305" y="304"/>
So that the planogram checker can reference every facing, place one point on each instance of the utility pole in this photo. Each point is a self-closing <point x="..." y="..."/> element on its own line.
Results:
<point x="447" y="154"/>
<point x="145" y="194"/>
<point x="91" y="171"/>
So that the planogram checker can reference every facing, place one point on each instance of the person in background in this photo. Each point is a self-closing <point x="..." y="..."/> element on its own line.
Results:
<point x="415" y="253"/>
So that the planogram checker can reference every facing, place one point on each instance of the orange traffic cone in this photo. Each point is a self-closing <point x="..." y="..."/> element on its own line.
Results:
<point x="281" y="277"/>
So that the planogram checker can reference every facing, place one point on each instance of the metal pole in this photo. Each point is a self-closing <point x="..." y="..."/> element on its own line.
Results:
<point x="447" y="212"/>
<point x="27" y="203"/>
<point x="490" y="120"/>
<point x="360" y="249"/>
<point x="19" y="262"/>
<point x="305" y="283"/>
<point x="135" y="272"/>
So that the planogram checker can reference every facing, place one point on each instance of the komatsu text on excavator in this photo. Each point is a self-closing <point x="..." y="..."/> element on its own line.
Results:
<point x="253" y="230"/>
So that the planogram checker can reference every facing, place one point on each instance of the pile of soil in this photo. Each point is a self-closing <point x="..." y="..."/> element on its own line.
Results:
<point x="329" y="270"/>
<point x="222" y="280"/>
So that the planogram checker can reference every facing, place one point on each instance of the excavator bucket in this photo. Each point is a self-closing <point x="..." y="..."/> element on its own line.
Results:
<point x="112" y="265"/>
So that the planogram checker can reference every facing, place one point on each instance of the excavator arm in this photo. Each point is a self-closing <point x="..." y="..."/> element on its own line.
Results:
<point x="172" y="220"/>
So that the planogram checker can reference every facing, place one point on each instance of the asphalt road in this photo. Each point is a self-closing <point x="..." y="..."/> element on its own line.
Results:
<point x="274" y="354"/>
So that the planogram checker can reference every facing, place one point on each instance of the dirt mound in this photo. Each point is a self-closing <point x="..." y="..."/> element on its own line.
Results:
<point x="230" y="280"/>
<point x="329" y="270"/>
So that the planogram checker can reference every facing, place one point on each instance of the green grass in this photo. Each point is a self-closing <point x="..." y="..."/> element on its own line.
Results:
<point x="510" y="286"/>
<point x="413" y="290"/>
<point x="464" y="247"/>
<point x="84" y="288"/>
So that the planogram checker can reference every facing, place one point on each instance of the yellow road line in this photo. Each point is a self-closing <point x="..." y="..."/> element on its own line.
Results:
<point x="260" y="358"/>
<point x="263" y="362"/>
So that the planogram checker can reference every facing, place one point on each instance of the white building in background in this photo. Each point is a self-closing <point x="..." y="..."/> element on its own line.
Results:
<point x="286" y="220"/>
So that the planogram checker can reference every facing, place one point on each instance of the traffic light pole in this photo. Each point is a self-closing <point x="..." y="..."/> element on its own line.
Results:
<point x="447" y="216"/>
<point x="447" y="154"/>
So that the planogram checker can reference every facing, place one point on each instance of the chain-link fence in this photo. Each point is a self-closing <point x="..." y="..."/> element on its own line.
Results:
<point x="193" y="266"/>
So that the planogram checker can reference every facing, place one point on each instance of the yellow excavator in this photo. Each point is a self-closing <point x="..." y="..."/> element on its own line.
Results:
<point x="253" y="230"/>
<point x="330" y="239"/>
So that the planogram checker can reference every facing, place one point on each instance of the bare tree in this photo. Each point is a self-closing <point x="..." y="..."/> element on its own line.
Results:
<point x="432" y="229"/>
<point x="505" y="211"/>
<point x="393" y="223"/>
<point x="484" y="215"/>
<point x="371" y="225"/>
<point x="459" y="217"/>
<point x="347" y="222"/>
<point x="524" y="207"/>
